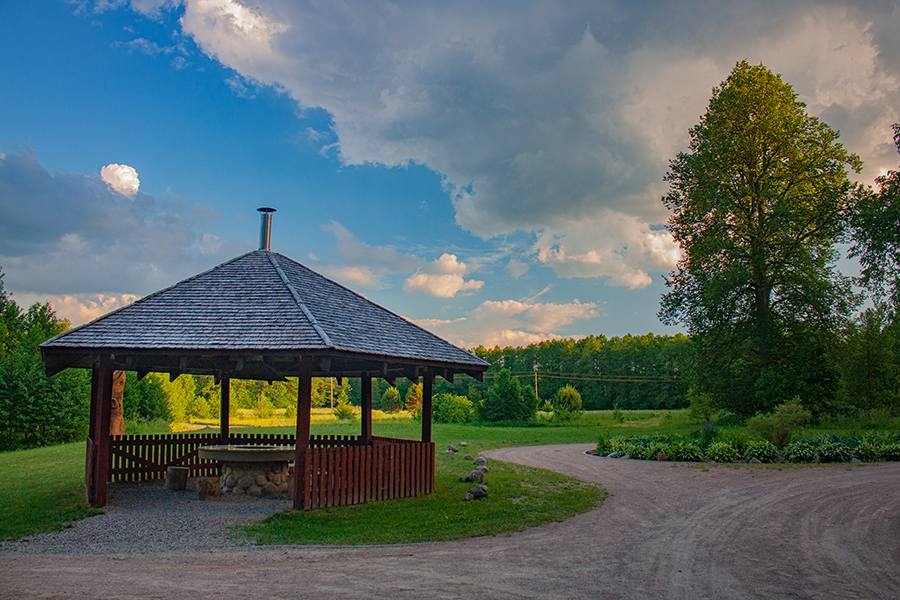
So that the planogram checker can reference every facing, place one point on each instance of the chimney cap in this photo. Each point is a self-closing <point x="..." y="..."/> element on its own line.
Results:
<point x="266" y="209"/>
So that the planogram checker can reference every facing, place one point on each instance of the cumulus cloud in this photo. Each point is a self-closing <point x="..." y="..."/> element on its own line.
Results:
<point x="442" y="278"/>
<point x="510" y="322"/>
<point x="544" y="115"/>
<point x="71" y="235"/>
<point x="122" y="178"/>
<point x="363" y="264"/>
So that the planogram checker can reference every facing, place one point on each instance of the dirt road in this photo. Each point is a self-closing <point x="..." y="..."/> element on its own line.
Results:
<point x="665" y="531"/>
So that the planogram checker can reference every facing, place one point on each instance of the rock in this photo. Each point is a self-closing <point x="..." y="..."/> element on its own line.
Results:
<point x="246" y="481"/>
<point x="260" y="480"/>
<point x="477" y="492"/>
<point x="254" y="490"/>
<point x="452" y="448"/>
<point x="482" y="468"/>
<point x="468" y="457"/>
<point x="230" y="480"/>
<point x="855" y="461"/>
<point x="613" y="455"/>
<point x="476" y="475"/>
<point x="447" y="452"/>
<point x="270" y="488"/>
<point x="463" y="444"/>
<point x="662" y="457"/>
<point x="207" y="487"/>
<point x="281" y="488"/>
<point x="755" y="461"/>
<point x="625" y="456"/>
<point x="480" y="460"/>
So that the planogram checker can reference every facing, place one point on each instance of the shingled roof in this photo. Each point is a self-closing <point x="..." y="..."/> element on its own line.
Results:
<point x="252" y="317"/>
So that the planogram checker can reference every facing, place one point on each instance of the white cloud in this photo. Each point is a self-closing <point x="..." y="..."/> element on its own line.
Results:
<point x="122" y="178"/>
<point x="543" y="114"/>
<point x="82" y="308"/>
<point x="71" y="234"/>
<point x="510" y="322"/>
<point x="442" y="278"/>
<point x="612" y="245"/>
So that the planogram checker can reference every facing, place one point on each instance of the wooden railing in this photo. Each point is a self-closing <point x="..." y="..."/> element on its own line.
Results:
<point x="336" y="476"/>
<point x="338" y="470"/>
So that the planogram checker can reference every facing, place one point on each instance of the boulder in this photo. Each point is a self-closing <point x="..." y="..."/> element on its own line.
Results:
<point x="469" y="457"/>
<point x="613" y="455"/>
<point x="463" y="444"/>
<point x="755" y="461"/>
<point x="480" y="460"/>
<point x="481" y="468"/>
<point x="447" y="452"/>
<point x="476" y="475"/>
<point x="477" y="492"/>
<point x="452" y="448"/>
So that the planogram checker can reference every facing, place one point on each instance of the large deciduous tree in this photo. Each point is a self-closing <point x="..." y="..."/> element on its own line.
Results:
<point x="876" y="235"/>
<point x="757" y="204"/>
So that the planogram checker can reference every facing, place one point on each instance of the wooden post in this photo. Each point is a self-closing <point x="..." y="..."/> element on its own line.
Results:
<point x="366" y="408"/>
<point x="224" y="408"/>
<point x="101" y="408"/>
<point x="301" y="448"/>
<point x="117" y="406"/>
<point x="427" y="382"/>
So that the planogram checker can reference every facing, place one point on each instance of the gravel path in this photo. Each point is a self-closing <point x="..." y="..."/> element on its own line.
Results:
<point x="665" y="531"/>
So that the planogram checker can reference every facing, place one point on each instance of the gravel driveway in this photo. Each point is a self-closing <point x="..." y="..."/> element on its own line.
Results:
<point x="666" y="531"/>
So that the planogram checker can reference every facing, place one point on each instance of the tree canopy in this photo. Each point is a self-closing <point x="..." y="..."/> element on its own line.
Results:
<point x="758" y="202"/>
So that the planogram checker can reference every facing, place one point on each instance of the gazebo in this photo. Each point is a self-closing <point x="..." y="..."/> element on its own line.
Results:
<point x="262" y="316"/>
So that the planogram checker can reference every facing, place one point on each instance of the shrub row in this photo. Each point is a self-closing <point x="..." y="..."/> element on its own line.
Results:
<point x="826" y="449"/>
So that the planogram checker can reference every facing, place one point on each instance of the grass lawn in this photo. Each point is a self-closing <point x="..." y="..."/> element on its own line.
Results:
<point x="42" y="489"/>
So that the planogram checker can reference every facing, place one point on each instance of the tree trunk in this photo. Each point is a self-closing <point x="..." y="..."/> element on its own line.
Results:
<point x="117" y="417"/>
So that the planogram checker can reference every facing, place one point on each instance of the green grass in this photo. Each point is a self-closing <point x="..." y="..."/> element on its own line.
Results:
<point x="41" y="490"/>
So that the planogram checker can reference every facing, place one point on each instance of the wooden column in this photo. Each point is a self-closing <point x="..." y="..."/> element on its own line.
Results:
<point x="98" y="444"/>
<point x="427" y="383"/>
<point x="117" y="412"/>
<point x="366" y="408"/>
<point x="301" y="448"/>
<point x="224" y="409"/>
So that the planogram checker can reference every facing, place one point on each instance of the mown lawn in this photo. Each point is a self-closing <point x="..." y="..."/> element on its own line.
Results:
<point x="42" y="489"/>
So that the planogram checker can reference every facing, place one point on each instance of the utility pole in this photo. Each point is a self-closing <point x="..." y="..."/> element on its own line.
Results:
<point x="535" y="382"/>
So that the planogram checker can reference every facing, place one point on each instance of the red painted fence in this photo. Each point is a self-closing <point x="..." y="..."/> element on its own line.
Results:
<point x="337" y="470"/>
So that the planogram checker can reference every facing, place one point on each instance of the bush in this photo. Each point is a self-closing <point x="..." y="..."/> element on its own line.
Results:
<point x="684" y="451"/>
<point x="566" y="404"/>
<point x="448" y="408"/>
<point x="830" y="451"/>
<point x="801" y="451"/>
<point x="722" y="452"/>
<point x="890" y="452"/>
<point x="390" y="400"/>
<point x="762" y="450"/>
<point x="779" y="426"/>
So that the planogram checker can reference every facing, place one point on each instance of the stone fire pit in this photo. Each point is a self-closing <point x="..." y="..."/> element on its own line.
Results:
<point x="255" y="470"/>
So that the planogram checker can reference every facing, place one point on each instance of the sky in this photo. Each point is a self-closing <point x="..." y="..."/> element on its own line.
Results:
<point x="489" y="170"/>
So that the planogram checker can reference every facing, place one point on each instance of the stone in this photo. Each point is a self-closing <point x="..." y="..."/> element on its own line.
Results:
<point x="270" y="488"/>
<point x="260" y="479"/>
<point x="254" y="490"/>
<point x="207" y="487"/>
<point x="447" y="452"/>
<point x="463" y="444"/>
<point x="246" y="481"/>
<point x="476" y="475"/>
<point x="452" y="448"/>
<point x="477" y="492"/>
<point x="230" y="480"/>
<point x="662" y="457"/>
<point x="613" y="455"/>
<point x="855" y="461"/>
<point x="481" y="468"/>
<point x="755" y="461"/>
<point x="625" y="456"/>
<point x="282" y="488"/>
<point x="468" y="457"/>
<point x="481" y="460"/>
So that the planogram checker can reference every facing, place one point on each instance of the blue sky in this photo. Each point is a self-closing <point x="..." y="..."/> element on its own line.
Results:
<point x="492" y="171"/>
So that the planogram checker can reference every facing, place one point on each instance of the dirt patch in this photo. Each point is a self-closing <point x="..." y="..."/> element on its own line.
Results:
<point x="665" y="531"/>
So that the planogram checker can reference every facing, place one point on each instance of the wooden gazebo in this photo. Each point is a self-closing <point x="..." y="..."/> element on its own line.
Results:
<point x="263" y="316"/>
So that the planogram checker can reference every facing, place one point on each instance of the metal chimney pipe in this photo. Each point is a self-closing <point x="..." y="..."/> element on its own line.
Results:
<point x="265" y="227"/>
